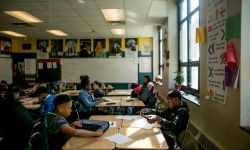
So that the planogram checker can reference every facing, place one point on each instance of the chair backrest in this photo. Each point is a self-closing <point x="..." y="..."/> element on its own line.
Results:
<point x="38" y="138"/>
<point x="181" y="137"/>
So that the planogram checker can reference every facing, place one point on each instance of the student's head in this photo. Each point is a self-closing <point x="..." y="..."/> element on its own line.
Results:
<point x="3" y="86"/>
<point x="97" y="85"/>
<point x="85" y="83"/>
<point x="54" y="85"/>
<point x="146" y="80"/>
<point x="4" y="82"/>
<point x="63" y="104"/>
<point x="174" y="99"/>
<point x="134" y="85"/>
<point x="41" y="93"/>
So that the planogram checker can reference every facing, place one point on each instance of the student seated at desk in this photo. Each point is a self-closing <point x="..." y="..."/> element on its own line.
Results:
<point x="59" y="130"/>
<point x="98" y="93"/>
<point x="173" y="119"/>
<point x="54" y="88"/>
<point x="46" y="100"/>
<point x="16" y="122"/>
<point x="86" y="100"/>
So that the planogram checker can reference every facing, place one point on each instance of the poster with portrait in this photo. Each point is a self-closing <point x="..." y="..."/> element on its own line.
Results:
<point x="42" y="49"/>
<point x="100" y="48"/>
<point x="5" y="44"/>
<point x="131" y="47"/>
<point x="57" y="47"/>
<point x="70" y="47"/>
<point x="85" y="48"/>
<point x="115" y="47"/>
<point x="42" y="45"/>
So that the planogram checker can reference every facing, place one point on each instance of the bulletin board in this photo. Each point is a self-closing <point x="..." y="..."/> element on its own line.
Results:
<point x="48" y="70"/>
<point x="112" y="70"/>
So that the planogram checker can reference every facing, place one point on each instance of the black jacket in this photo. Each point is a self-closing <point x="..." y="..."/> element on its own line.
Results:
<point x="175" y="120"/>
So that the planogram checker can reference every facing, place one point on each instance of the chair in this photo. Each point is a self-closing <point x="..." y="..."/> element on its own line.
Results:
<point x="38" y="138"/>
<point x="178" y="141"/>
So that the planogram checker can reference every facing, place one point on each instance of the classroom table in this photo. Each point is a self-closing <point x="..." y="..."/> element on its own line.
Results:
<point x="143" y="139"/>
<point x="73" y="93"/>
<point x="29" y="103"/>
<point x="135" y="122"/>
<point x="119" y="93"/>
<point x="91" y="143"/>
<point x="110" y="118"/>
<point x="114" y="99"/>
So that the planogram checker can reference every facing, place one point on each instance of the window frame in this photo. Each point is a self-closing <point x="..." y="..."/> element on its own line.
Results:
<point x="189" y="64"/>
<point x="161" y="52"/>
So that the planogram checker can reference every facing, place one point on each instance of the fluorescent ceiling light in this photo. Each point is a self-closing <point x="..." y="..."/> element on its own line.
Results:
<point x="113" y="14"/>
<point x="12" y="33"/>
<point x="57" y="32"/>
<point x="24" y="16"/>
<point x="118" y="31"/>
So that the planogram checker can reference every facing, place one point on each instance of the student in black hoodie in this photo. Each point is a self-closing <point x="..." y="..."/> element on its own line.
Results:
<point x="173" y="119"/>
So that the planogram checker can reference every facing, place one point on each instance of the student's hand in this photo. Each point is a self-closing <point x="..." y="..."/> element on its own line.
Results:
<point x="76" y="124"/>
<point x="99" y="132"/>
<point x="153" y="118"/>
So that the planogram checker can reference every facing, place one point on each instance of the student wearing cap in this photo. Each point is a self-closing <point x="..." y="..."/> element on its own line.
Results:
<point x="54" y="88"/>
<point x="174" y="118"/>
<point x="46" y="100"/>
<point x="59" y="130"/>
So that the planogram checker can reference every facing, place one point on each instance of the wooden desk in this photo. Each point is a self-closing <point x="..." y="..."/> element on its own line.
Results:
<point x="29" y="103"/>
<point x="115" y="99"/>
<point x="107" y="118"/>
<point x="143" y="139"/>
<point x="120" y="93"/>
<point x="132" y="103"/>
<point x="91" y="143"/>
<point x="134" y="124"/>
<point x="72" y="92"/>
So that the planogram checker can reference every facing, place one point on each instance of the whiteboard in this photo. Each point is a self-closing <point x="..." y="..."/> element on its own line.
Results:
<point x="6" y="69"/>
<point x="113" y="70"/>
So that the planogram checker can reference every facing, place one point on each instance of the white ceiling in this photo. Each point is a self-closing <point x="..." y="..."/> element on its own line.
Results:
<point x="84" y="20"/>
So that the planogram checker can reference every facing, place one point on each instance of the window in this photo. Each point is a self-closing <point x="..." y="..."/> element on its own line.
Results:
<point x="189" y="54"/>
<point x="161" y="52"/>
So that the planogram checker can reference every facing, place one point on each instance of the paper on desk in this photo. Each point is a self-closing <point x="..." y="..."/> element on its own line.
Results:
<point x="142" y="123"/>
<point x="119" y="138"/>
<point x="127" y="117"/>
<point x="112" y="124"/>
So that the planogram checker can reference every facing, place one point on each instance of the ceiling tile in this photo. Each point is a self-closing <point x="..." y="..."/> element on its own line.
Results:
<point x="66" y="13"/>
<point x="56" y="5"/>
<point x="7" y="6"/>
<point x="29" y="6"/>
<point x="89" y="13"/>
<point x="110" y="4"/>
<point x="158" y="8"/>
<point x="88" y="4"/>
<point x="72" y="19"/>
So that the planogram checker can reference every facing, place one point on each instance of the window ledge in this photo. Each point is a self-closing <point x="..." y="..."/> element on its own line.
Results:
<point x="191" y="98"/>
<point x="246" y="128"/>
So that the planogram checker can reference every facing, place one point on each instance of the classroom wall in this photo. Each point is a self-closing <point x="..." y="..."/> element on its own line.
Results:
<point x="172" y="43"/>
<point x="245" y="61"/>
<point x="219" y="122"/>
<point x="155" y="52"/>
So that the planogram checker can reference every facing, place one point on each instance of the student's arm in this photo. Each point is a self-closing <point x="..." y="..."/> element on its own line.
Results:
<point x="79" y="132"/>
<point x="177" y="124"/>
<point x="84" y="98"/>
